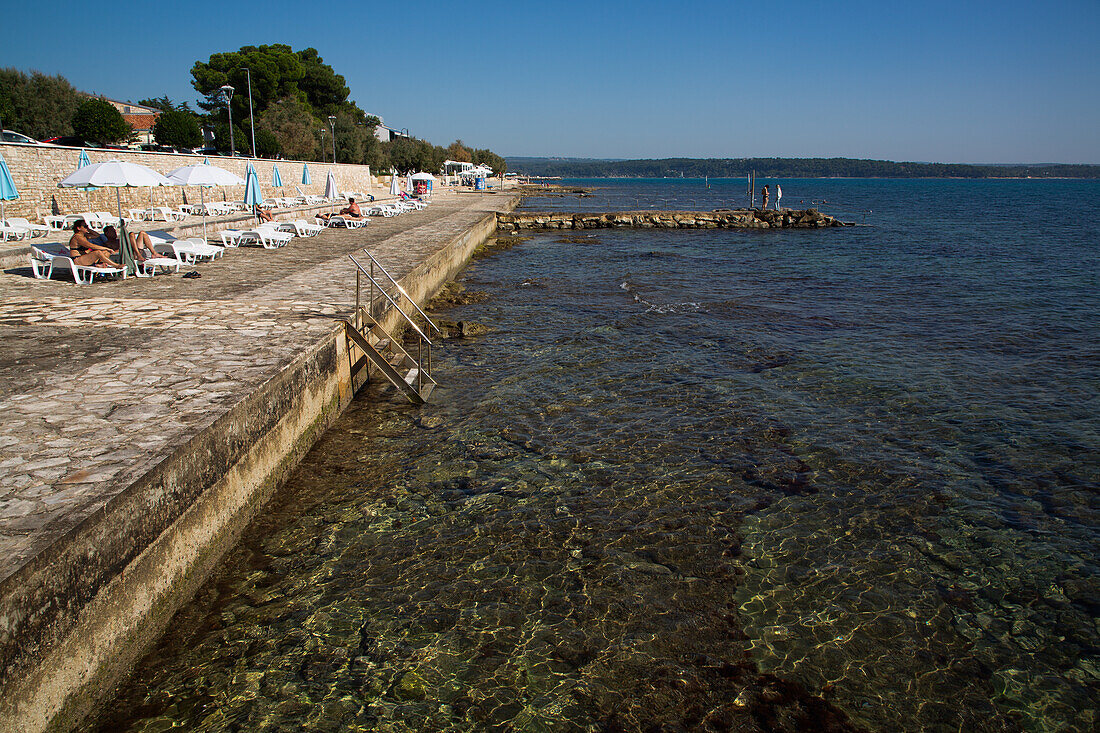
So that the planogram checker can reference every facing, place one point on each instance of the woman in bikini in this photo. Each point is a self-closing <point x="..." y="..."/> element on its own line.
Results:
<point x="84" y="252"/>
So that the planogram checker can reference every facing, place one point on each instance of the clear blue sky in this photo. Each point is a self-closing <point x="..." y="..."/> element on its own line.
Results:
<point x="960" y="81"/>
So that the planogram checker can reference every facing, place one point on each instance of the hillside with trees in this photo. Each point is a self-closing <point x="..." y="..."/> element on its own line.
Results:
<point x="293" y="95"/>
<point x="786" y="168"/>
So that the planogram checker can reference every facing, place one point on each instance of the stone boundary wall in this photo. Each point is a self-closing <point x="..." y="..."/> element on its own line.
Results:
<point x="37" y="169"/>
<point x="737" y="219"/>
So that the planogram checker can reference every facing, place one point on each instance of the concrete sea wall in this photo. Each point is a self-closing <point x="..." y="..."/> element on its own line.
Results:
<point x="736" y="219"/>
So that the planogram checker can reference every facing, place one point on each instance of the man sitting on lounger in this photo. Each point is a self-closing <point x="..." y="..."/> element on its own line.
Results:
<point x="139" y="240"/>
<point x="85" y="252"/>
<point x="351" y="211"/>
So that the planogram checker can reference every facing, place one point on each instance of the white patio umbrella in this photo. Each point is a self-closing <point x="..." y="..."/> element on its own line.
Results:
<point x="395" y="189"/>
<point x="330" y="189"/>
<point x="204" y="176"/>
<point x="116" y="174"/>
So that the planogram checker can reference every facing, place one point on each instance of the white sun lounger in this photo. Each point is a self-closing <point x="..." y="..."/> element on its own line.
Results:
<point x="36" y="230"/>
<point x="189" y="250"/>
<point x="45" y="257"/>
<point x="301" y="228"/>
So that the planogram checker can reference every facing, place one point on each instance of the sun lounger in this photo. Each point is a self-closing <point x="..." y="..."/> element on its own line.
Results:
<point x="163" y="213"/>
<point x="301" y="228"/>
<point x="266" y="238"/>
<point x="13" y="232"/>
<point x="45" y="257"/>
<point x="347" y="222"/>
<point x="189" y="250"/>
<point x="36" y="230"/>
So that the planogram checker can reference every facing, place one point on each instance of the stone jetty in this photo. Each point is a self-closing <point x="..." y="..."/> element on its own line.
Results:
<point x="732" y="219"/>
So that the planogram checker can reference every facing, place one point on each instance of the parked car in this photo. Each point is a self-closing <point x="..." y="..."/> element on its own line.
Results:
<point x="10" y="136"/>
<point x="70" y="141"/>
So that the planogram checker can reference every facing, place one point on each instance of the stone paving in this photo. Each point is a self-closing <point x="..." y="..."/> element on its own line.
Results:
<point x="99" y="383"/>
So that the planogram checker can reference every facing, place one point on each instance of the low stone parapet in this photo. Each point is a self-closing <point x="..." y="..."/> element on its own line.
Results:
<point x="727" y="219"/>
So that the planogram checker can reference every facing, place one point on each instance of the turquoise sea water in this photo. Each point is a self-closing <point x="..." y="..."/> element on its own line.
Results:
<point x="712" y="480"/>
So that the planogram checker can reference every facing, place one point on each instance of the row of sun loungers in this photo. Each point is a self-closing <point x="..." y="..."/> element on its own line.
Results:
<point x="173" y="253"/>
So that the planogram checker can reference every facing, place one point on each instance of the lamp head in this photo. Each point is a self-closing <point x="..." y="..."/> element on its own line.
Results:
<point x="227" y="91"/>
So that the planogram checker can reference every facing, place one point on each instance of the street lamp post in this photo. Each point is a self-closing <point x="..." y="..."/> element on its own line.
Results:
<point x="332" y="125"/>
<point x="324" y="155"/>
<point x="251" y="119"/>
<point x="227" y="91"/>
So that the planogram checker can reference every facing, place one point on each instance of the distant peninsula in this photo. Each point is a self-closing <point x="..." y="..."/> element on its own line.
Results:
<point x="786" y="168"/>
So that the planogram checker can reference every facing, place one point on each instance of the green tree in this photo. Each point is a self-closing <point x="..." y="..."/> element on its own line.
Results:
<point x="37" y="105"/>
<point x="267" y="145"/>
<point x="292" y="125"/>
<point x="96" y="120"/>
<point x="180" y="129"/>
<point x="458" y="151"/>
<point x="164" y="104"/>
<point x="238" y="143"/>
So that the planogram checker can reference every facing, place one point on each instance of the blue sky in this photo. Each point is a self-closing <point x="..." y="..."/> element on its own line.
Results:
<point x="984" y="82"/>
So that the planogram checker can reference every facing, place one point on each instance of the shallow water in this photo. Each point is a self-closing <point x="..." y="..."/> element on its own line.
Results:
<point x="700" y="480"/>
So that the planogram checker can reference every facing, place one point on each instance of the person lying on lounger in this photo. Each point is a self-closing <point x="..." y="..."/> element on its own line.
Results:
<point x="84" y="252"/>
<point x="351" y="211"/>
<point x="139" y="240"/>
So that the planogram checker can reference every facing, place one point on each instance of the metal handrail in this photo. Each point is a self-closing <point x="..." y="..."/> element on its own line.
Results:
<point x="391" y="300"/>
<point x="396" y="285"/>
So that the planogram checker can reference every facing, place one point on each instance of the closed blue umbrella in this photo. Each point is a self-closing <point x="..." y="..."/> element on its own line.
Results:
<point x="80" y="163"/>
<point x="305" y="175"/>
<point x="7" y="186"/>
<point x="206" y="161"/>
<point x="276" y="179"/>
<point x="252" y="188"/>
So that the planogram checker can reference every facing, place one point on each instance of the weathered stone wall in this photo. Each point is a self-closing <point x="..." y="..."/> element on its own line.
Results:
<point x="37" y="169"/>
<point x="737" y="219"/>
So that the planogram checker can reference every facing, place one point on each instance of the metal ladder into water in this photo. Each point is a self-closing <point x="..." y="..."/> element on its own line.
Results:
<point x="411" y="375"/>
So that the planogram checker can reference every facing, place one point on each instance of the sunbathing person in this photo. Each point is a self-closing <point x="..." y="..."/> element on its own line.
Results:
<point x="263" y="214"/>
<point x="351" y="211"/>
<point x="84" y="252"/>
<point x="140" y="241"/>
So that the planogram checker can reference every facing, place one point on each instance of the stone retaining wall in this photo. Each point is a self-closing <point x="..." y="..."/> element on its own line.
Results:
<point x="37" y="169"/>
<point x="737" y="219"/>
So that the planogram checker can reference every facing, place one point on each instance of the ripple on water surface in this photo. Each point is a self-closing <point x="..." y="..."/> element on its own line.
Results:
<point x="780" y="502"/>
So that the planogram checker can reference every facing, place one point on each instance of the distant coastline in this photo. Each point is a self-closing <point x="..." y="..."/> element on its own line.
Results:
<point x="790" y="168"/>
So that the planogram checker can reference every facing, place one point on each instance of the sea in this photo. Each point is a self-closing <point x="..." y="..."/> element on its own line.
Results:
<point x="834" y="479"/>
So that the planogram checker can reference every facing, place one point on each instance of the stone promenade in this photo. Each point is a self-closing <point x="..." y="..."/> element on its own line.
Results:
<point x="98" y="382"/>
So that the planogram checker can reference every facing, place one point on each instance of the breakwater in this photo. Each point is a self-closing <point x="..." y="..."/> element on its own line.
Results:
<point x="732" y="219"/>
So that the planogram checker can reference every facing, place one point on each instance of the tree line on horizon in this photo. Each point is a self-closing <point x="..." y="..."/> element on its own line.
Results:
<point x="786" y="168"/>
<point x="293" y="95"/>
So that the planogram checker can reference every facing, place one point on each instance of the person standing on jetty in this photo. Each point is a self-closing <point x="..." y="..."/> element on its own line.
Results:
<point x="764" y="195"/>
<point x="778" y="195"/>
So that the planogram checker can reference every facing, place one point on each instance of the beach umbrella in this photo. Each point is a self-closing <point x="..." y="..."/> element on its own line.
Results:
<point x="276" y="179"/>
<point x="116" y="174"/>
<point x="204" y="176"/>
<point x="82" y="161"/>
<point x="252" y="195"/>
<point x="395" y="189"/>
<point x="306" y="180"/>
<point x="7" y="186"/>
<point x="330" y="188"/>
<point x="206" y="161"/>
